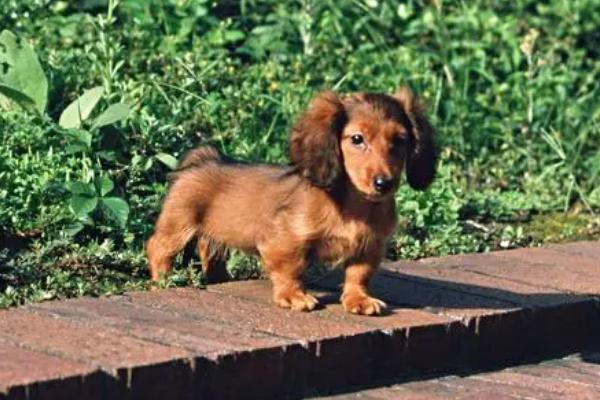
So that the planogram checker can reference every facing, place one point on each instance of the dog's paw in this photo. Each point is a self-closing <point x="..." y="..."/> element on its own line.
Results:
<point x="296" y="300"/>
<point x="362" y="304"/>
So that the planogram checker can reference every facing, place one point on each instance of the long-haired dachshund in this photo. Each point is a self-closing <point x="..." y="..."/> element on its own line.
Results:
<point x="334" y="203"/>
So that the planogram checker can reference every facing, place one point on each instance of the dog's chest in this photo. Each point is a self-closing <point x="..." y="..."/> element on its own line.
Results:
<point x="345" y="240"/>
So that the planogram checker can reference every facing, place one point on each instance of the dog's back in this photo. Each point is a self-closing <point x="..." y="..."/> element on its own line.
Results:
<point x="226" y="200"/>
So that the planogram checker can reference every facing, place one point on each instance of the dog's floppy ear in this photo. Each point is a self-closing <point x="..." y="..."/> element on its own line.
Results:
<point x="314" y="145"/>
<point x="422" y="154"/>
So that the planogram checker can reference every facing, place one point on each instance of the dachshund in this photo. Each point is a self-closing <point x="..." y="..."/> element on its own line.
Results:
<point x="334" y="203"/>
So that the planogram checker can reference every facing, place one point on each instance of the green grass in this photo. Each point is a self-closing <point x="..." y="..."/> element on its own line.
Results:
<point x="512" y="87"/>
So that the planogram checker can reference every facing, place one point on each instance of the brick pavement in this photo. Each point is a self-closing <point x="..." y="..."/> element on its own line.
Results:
<point x="576" y="377"/>
<point x="229" y="341"/>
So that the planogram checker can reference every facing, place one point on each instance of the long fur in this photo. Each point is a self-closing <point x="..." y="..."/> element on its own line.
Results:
<point x="325" y="207"/>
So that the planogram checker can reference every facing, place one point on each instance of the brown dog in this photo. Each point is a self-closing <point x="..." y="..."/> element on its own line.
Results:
<point x="335" y="203"/>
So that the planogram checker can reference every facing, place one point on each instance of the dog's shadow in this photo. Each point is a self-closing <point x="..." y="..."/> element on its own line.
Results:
<point x="403" y="290"/>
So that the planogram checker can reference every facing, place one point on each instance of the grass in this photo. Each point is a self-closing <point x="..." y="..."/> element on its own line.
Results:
<point x="512" y="87"/>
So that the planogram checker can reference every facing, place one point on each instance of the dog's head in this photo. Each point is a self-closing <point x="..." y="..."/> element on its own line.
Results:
<point x="368" y="137"/>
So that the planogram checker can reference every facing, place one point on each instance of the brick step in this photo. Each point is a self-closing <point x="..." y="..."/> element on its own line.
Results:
<point x="575" y="377"/>
<point x="229" y="341"/>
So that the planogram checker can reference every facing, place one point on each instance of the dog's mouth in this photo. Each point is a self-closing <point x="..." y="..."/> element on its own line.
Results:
<point x="375" y="197"/>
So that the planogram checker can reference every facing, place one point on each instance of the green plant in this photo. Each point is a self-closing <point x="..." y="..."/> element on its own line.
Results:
<point x="25" y="83"/>
<point x="76" y="115"/>
<point x="567" y="157"/>
<point x="89" y="197"/>
<point x="22" y="79"/>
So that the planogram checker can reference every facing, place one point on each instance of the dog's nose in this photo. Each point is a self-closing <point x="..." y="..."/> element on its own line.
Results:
<point x="383" y="184"/>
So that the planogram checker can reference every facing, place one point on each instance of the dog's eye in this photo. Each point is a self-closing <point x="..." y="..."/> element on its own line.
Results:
<point x="357" y="139"/>
<point x="398" y="142"/>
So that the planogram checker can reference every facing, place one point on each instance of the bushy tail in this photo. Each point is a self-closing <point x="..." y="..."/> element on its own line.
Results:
<point x="199" y="156"/>
<point x="195" y="158"/>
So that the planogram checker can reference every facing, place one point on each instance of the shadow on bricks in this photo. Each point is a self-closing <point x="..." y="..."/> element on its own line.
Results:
<point x="455" y="292"/>
<point x="500" y="318"/>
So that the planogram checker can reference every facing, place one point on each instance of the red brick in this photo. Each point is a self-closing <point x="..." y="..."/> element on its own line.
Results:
<point x="35" y="375"/>
<point x="172" y="379"/>
<point x="519" y="265"/>
<point x="546" y="268"/>
<point x="430" y="345"/>
<point x="584" y="367"/>
<point x="332" y="311"/>
<point x="556" y="379"/>
<point x="551" y="321"/>
<point x="243" y="315"/>
<point x="589" y="249"/>
<point x="423" y="390"/>
<point x="259" y="290"/>
<point x="524" y="385"/>
<point x="575" y="259"/>
<point x="562" y="373"/>
<point x="397" y="316"/>
<point x="99" y="346"/>
<point x="328" y="344"/>
<point x="402" y="344"/>
<point x="408" y="292"/>
<point x="202" y="335"/>
<point x="206" y="325"/>
<point x="474" y="388"/>
<point x="230" y="341"/>
<point x="453" y="261"/>
<point x="544" y="331"/>
<point x="254" y="374"/>
<point x="297" y="329"/>
<point x="453" y="388"/>
<point x="197" y="320"/>
<point x="384" y="353"/>
<point x="481" y="285"/>
<point x="586" y="361"/>
<point x="434" y="391"/>
<point x="399" y="392"/>
<point x="394" y="319"/>
<point x="541" y="267"/>
<point x="128" y="359"/>
<point x="555" y="320"/>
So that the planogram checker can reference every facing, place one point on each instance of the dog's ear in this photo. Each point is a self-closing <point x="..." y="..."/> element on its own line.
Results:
<point x="314" y="145"/>
<point x="422" y="154"/>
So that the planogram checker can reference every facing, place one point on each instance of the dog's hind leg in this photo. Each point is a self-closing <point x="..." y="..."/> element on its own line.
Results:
<point x="213" y="261"/>
<point x="170" y="236"/>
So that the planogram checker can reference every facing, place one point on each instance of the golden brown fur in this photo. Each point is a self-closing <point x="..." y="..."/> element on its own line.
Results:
<point x="334" y="203"/>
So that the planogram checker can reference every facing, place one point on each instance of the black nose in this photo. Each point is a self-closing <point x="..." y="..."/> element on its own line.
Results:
<point x="383" y="184"/>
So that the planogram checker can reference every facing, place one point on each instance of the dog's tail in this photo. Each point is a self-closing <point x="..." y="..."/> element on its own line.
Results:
<point x="199" y="156"/>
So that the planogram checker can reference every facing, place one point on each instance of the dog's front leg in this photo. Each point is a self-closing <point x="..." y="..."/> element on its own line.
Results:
<point x="355" y="297"/>
<point x="285" y="270"/>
